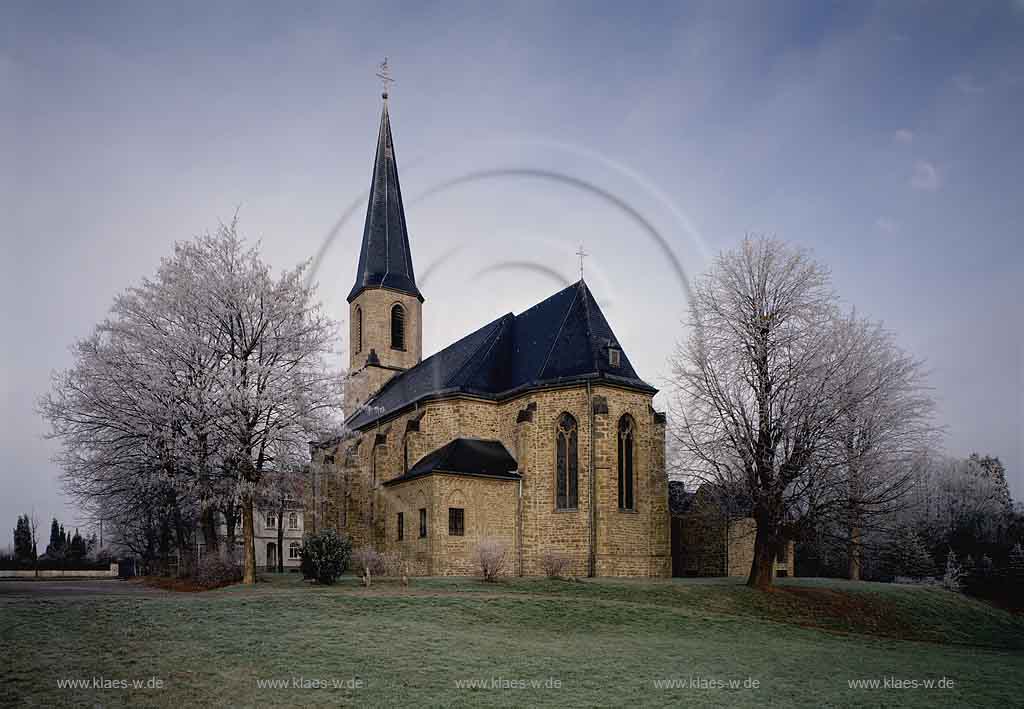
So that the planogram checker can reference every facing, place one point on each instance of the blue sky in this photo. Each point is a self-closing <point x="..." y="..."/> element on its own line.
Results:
<point x="883" y="136"/>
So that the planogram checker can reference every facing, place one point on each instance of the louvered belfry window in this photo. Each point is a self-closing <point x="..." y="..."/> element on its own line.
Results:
<point x="566" y="464"/>
<point x="398" y="327"/>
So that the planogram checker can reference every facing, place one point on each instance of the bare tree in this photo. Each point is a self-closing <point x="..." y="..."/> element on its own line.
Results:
<point x="885" y="425"/>
<point x="270" y="338"/>
<point x="768" y="372"/>
<point x="176" y="404"/>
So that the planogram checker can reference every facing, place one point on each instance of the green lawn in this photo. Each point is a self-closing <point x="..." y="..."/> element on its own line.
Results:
<point x="594" y="643"/>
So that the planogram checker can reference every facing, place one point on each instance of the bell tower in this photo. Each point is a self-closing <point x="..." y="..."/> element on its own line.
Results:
<point x="385" y="306"/>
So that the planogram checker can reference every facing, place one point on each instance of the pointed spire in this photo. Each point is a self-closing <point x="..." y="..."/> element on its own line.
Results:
<point x="385" y="260"/>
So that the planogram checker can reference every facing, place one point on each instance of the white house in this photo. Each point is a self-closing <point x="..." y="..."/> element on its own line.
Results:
<point x="265" y="529"/>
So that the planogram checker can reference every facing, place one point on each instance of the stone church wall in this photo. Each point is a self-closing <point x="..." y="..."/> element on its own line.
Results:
<point x="629" y="543"/>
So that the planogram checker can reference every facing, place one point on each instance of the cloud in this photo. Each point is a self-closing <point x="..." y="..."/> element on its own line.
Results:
<point x="904" y="136"/>
<point x="967" y="84"/>
<point x="925" y="177"/>
<point x="887" y="225"/>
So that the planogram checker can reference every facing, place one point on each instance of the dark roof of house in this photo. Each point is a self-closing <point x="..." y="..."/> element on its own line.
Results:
<point x="563" y="339"/>
<point x="385" y="260"/>
<point x="466" y="456"/>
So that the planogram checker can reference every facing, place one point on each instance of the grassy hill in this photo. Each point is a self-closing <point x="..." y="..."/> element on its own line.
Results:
<point x="591" y="643"/>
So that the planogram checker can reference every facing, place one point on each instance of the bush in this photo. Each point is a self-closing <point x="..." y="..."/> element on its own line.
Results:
<point x="368" y="560"/>
<point x="325" y="556"/>
<point x="490" y="555"/>
<point x="214" y="571"/>
<point x="555" y="564"/>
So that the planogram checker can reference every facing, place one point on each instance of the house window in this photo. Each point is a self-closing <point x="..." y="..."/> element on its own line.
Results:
<point x="401" y="526"/>
<point x="271" y="521"/>
<point x="294" y="550"/>
<point x="405" y="454"/>
<point x="357" y="330"/>
<point x="566" y="464"/>
<point x="397" y="327"/>
<point x="423" y="522"/>
<point x="293" y="520"/>
<point x="456" y="522"/>
<point x="614" y="359"/>
<point x="328" y="460"/>
<point x="626" y="437"/>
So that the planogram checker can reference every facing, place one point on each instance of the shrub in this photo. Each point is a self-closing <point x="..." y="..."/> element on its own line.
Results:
<point x="953" y="578"/>
<point x="490" y="555"/>
<point x="555" y="564"/>
<point x="325" y="556"/>
<point x="214" y="571"/>
<point x="369" y="562"/>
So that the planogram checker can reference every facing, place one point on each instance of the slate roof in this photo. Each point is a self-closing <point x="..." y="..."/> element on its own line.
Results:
<point x="385" y="260"/>
<point x="466" y="456"/>
<point x="563" y="339"/>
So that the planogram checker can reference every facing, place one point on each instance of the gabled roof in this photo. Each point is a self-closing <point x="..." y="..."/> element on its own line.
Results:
<point x="563" y="339"/>
<point x="385" y="260"/>
<point x="475" y="457"/>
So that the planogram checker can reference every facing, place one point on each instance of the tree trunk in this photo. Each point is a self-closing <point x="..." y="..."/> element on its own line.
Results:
<point x="764" y="557"/>
<point x="853" y="569"/>
<point x="249" y="542"/>
<point x="280" y="539"/>
<point x="231" y="521"/>
<point x="210" y="532"/>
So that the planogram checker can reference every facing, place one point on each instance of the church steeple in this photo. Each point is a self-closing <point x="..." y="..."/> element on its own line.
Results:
<point x="385" y="306"/>
<point x="385" y="260"/>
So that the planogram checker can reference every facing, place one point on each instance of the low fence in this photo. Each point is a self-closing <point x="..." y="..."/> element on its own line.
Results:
<point x="62" y="571"/>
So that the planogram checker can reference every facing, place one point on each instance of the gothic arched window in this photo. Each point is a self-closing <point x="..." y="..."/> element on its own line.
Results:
<point x="357" y="330"/>
<point x="566" y="464"/>
<point x="626" y="438"/>
<point x="397" y="327"/>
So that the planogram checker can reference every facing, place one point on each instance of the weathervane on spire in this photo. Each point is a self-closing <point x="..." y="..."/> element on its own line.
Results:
<point x="582" y="254"/>
<point x="384" y="74"/>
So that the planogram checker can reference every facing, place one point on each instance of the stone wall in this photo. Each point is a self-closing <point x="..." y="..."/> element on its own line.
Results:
<point x="112" y="572"/>
<point x="714" y="545"/>
<point x="375" y="305"/>
<point x="628" y="542"/>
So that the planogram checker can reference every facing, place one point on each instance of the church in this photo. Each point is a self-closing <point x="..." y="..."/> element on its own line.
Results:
<point x="534" y="430"/>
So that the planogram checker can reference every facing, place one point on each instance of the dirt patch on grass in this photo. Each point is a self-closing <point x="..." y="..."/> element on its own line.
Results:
<point x="848" y="612"/>
<point x="167" y="583"/>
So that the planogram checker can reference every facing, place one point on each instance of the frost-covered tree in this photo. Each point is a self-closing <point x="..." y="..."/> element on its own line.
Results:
<point x="768" y="375"/>
<point x="953" y="577"/>
<point x="885" y="424"/>
<point x="176" y="402"/>
<point x="906" y="555"/>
